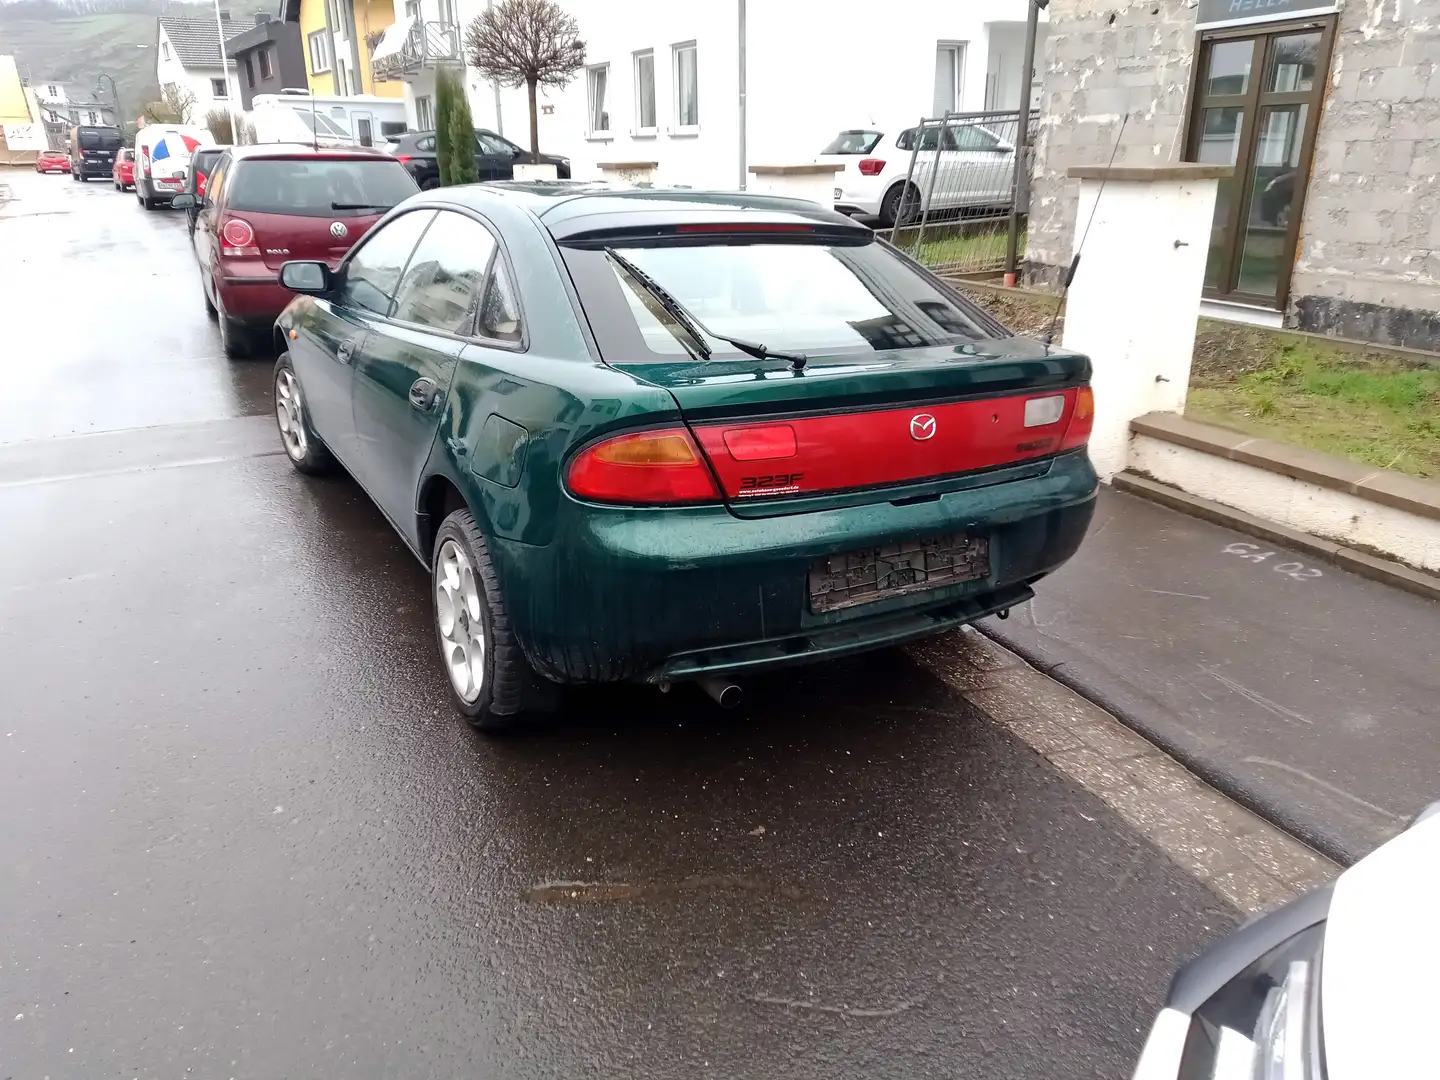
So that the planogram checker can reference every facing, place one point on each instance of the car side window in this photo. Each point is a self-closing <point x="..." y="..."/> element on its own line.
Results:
<point x="499" y="313"/>
<point x="425" y="145"/>
<point x="217" y="183"/>
<point x="442" y="284"/>
<point x="373" y="271"/>
<point x="970" y="137"/>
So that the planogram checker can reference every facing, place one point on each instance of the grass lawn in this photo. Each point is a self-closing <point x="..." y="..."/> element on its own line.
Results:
<point x="1368" y="405"/>
<point x="964" y="248"/>
<point x="1371" y="408"/>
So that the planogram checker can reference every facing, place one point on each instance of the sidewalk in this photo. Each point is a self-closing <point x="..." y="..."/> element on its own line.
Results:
<point x="1306" y="692"/>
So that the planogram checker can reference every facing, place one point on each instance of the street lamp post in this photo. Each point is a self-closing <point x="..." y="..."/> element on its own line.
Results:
<point x="114" y="93"/>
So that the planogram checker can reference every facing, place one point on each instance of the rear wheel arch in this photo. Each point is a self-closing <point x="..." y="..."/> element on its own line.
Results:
<point x="439" y="497"/>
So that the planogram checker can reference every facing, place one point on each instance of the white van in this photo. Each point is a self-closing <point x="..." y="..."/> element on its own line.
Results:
<point x="358" y="120"/>
<point x="162" y="155"/>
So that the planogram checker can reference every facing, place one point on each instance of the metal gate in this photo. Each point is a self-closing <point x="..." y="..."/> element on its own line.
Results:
<point x="960" y="191"/>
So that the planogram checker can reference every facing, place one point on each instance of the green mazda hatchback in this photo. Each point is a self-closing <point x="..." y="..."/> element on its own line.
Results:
<point x="670" y="436"/>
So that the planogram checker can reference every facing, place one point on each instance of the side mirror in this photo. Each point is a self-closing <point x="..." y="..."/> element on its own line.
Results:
<point x="310" y="278"/>
<point x="183" y="201"/>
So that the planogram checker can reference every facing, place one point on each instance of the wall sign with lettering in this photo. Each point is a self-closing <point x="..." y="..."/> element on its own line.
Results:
<point x="1234" y="12"/>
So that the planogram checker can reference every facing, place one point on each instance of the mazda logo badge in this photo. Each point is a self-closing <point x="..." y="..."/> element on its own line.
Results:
<point x="338" y="229"/>
<point x="922" y="427"/>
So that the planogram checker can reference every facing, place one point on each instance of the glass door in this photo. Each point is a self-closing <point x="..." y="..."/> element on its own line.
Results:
<point x="1257" y="101"/>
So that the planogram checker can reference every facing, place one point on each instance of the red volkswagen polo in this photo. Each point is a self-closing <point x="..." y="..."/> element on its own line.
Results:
<point x="266" y="205"/>
<point x="123" y="175"/>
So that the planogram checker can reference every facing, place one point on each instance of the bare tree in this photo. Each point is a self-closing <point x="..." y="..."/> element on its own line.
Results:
<point x="174" y="107"/>
<point x="526" y="42"/>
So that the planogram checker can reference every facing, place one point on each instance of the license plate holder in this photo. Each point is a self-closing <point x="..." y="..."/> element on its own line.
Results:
<point x="863" y="577"/>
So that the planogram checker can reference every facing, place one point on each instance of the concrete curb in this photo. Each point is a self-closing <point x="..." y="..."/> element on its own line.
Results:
<point x="1384" y="571"/>
<point x="1238" y="854"/>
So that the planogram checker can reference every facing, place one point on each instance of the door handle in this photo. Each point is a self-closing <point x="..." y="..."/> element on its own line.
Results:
<point x="346" y="350"/>
<point x="423" y="393"/>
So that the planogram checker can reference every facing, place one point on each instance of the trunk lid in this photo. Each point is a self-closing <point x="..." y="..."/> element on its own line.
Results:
<point x="873" y="424"/>
<point x="282" y="237"/>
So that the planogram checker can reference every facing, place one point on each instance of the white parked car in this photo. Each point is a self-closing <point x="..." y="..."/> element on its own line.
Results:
<point x="976" y="168"/>
<point x="1339" y="984"/>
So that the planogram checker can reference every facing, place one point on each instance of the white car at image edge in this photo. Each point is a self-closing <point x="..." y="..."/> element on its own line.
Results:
<point x="1337" y="985"/>
<point x="976" y="169"/>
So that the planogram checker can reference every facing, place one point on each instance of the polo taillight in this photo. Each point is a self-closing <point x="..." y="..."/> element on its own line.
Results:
<point x="1082" y="420"/>
<point x="644" y="467"/>
<point x="872" y="166"/>
<point x="237" y="239"/>
<point x="403" y="158"/>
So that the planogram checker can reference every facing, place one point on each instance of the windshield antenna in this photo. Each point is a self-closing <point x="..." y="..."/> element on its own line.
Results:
<point x="1075" y="262"/>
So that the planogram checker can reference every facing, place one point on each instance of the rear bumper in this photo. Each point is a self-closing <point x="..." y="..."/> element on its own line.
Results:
<point x="625" y="594"/>
<point x="253" y="301"/>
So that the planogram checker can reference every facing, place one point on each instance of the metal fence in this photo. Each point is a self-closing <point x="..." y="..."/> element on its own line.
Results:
<point x="959" y="195"/>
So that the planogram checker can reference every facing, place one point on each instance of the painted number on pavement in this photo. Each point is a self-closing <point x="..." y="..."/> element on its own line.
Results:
<point x="1291" y="569"/>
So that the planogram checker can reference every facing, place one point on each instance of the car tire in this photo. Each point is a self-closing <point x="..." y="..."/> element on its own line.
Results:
<point x="899" y="205"/>
<point x="302" y="446"/>
<point x="210" y="310"/>
<point x="234" y="338"/>
<point x="465" y="593"/>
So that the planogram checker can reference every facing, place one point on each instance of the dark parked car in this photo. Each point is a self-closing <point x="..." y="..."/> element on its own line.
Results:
<point x="495" y="157"/>
<point x="197" y="175"/>
<point x="610" y="477"/>
<point x="92" y="151"/>
<point x="274" y="202"/>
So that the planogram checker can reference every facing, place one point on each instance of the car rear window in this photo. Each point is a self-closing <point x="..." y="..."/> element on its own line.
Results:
<point x="318" y="187"/>
<point x="816" y="299"/>
<point x="99" y="140"/>
<point x="853" y="142"/>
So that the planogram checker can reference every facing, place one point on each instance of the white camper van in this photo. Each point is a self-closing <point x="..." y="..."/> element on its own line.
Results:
<point x="360" y="120"/>
<point x="162" y="154"/>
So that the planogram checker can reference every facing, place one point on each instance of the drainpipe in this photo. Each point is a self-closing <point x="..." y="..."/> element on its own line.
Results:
<point x="744" y="175"/>
<point x="354" y="32"/>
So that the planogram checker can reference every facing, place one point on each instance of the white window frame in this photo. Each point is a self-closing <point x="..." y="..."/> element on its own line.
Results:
<point x="676" y="50"/>
<point x="323" y="38"/>
<point x="223" y="93"/>
<point x="592" y="130"/>
<point x="641" y="128"/>
<point x="958" y="48"/>
<point x="165" y="50"/>
<point x="424" y="113"/>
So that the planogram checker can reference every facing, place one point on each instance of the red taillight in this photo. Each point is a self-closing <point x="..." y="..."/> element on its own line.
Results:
<point x="200" y="183"/>
<point x="662" y="466"/>
<point x="145" y="160"/>
<point x="237" y="239"/>
<point x="1081" y="421"/>
<point x="872" y="166"/>
<point x="403" y="158"/>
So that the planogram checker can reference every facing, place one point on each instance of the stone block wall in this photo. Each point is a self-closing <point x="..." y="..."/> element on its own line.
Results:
<point x="1103" y="60"/>
<point x="1369" y="260"/>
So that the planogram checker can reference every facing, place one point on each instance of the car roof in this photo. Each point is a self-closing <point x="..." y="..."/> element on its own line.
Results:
<point x="294" y="150"/>
<point x="568" y="208"/>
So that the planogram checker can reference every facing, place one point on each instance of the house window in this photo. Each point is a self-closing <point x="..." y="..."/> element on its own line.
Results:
<point x="52" y="92"/>
<point x="645" y="92"/>
<point x="319" y="52"/>
<point x="447" y="13"/>
<point x="424" y="113"/>
<point x="165" y="49"/>
<point x="687" y="85"/>
<point x="94" y="117"/>
<point x="265" y="69"/>
<point x="218" y="89"/>
<point x="412" y="9"/>
<point x="249" y="73"/>
<point x="949" y="71"/>
<point x="597" y="82"/>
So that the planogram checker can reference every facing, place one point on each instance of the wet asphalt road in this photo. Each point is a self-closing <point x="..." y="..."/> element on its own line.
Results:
<point x="244" y="836"/>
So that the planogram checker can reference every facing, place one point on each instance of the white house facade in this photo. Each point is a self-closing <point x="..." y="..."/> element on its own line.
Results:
<point x="663" y="83"/>
<point x="187" y="54"/>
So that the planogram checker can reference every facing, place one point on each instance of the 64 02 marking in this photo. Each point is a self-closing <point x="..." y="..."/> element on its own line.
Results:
<point x="1291" y="569"/>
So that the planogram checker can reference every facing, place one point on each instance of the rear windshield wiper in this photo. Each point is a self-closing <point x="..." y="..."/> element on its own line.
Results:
<point x="360" y="206"/>
<point x="693" y="326"/>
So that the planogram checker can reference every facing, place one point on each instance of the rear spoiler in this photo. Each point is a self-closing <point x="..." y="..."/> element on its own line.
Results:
<point x="666" y="229"/>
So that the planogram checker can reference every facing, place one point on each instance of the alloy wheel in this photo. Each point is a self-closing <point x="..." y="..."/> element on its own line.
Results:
<point x="460" y="621"/>
<point x="290" y="412"/>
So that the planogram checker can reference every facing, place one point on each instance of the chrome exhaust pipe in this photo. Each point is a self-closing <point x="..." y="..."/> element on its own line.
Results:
<point x="722" y="691"/>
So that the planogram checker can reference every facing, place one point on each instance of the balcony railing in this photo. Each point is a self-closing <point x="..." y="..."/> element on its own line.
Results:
<point x="427" y="44"/>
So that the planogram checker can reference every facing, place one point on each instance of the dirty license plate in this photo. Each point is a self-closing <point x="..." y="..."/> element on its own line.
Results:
<point x="861" y="577"/>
